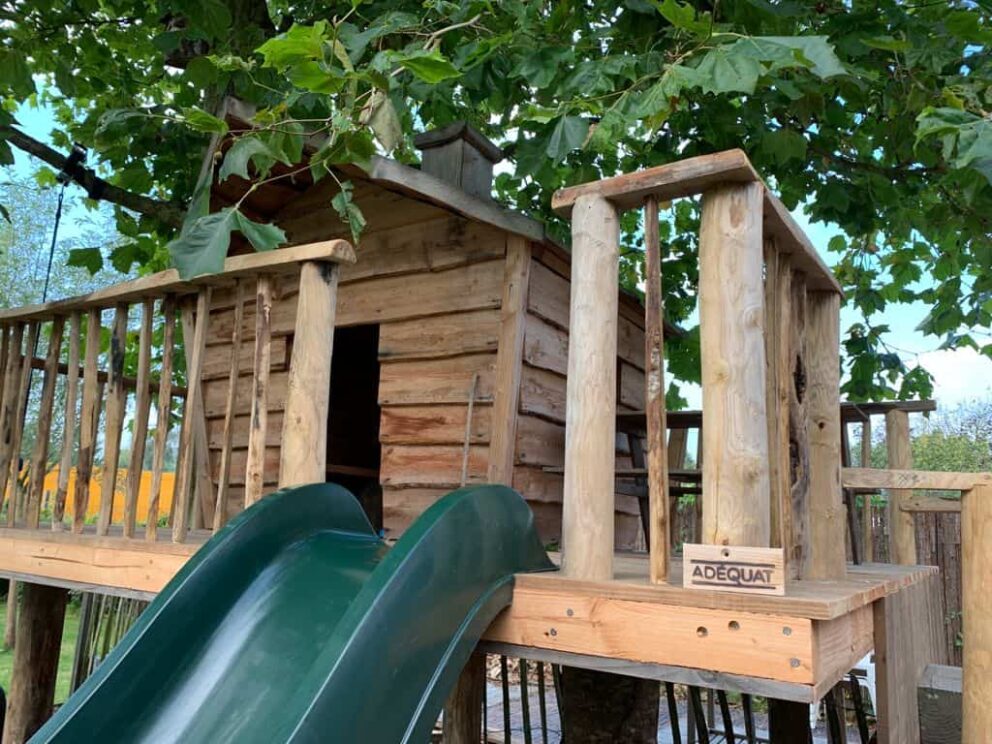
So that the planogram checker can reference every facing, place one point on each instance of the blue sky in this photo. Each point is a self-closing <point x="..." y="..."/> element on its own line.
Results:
<point x="959" y="375"/>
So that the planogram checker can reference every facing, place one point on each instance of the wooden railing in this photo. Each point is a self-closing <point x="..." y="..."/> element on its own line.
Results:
<point x="975" y="506"/>
<point x="167" y="318"/>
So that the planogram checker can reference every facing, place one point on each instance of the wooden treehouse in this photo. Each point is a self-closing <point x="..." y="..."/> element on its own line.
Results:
<point x="469" y="347"/>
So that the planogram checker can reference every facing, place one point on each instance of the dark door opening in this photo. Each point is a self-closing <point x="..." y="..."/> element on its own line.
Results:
<point x="353" y="452"/>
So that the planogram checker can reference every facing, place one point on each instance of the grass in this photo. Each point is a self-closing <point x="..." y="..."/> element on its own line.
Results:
<point x="65" y="658"/>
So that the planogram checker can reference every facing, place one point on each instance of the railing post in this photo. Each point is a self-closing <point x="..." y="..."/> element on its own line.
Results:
<point x="303" y="457"/>
<point x="736" y="491"/>
<point x="902" y="524"/>
<point x="976" y="608"/>
<point x="590" y="416"/>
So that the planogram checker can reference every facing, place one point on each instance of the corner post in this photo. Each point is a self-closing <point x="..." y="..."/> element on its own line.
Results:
<point x="590" y="417"/>
<point x="36" y="660"/>
<point x="976" y="606"/>
<point x="303" y="456"/>
<point x="902" y="546"/>
<point x="736" y="490"/>
<point x="826" y="558"/>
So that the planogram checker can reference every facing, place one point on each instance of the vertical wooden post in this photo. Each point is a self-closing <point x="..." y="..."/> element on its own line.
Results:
<point x="16" y="506"/>
<point x="867" y="533"/>
<point x="462" y="722"/>
<point x="69" y="434"/>
<point x="224" y="476"/>
<point x="902" y="524"/>
<point x="88" y="416"/>
<point x="736" y="495"/>
<point x="827" y="523"/>
<point x="190" y="452"/>
<point x="163" y="412"/>
<point x="259" y="422"/>
<point x="976" y="607"/>
<point x="509" y="360"/>
<point x="142" y="408"/>
<point x="203" y="487"/>
<point x="39" y="453"/>
<point x="654" y="398"/>
<point x="116" y="403"/>
<point x="303" y="456"/>
<point x="784" y="406"/>
<point x="36" y="660"/>
<point x="590" y="417"/>
<point x="8" y="406"/>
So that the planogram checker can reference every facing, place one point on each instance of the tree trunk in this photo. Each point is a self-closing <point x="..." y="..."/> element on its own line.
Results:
<point x="604" y="708"/>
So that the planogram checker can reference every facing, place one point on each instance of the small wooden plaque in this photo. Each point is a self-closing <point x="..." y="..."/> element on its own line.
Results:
<point x="730" y="568"/>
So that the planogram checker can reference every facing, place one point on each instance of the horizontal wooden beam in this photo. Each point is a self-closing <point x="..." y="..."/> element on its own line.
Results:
<point x="781" y="227"/>
<point x="60" y="557"/>
<point x="670" y="181"/>
<point x="696" y="677"/>
<point x="932" y="504"/>
<point x="283" y="260"/>
<point x="907" y="479"/>
<point x="860" y="411"/>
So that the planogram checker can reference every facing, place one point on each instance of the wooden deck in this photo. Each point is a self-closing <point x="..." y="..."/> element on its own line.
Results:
<point x="791" y="647"/>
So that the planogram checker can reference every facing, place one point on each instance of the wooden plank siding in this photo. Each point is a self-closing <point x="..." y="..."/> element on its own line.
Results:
<point x="434" y="283"/>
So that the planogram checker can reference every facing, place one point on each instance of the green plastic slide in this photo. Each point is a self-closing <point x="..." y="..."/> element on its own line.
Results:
<point x="297" y="623"/>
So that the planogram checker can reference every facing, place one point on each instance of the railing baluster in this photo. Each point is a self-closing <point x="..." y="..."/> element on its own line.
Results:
<point x="223" y="485"/>
<point x="12" y="376"/>
<point x="20" y="413"/>
<point x="88" y="417"/>
<point x="69" y="435"/>
<point x="194" y="391"/>
<point x="39" y="454"/>
<point x="142" y="403"/>
<point x="163" y="415"/>
<point x="202" y="488"/>
<point x="255" y="468"/>
<point x="116" y="405"/>
<point x="5" y="334"/>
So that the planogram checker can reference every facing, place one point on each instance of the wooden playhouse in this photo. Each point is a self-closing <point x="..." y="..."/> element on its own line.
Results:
<point x="458" y="344"/>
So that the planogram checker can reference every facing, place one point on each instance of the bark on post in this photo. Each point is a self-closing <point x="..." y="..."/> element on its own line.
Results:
<point x="976" y="606"/>
<point x="304" y="436"/>
<point x="902" y="547"/>
<point x="827" y="559"/>
<point x="36" y="658"/>
<point x="590" y="418"/>
<point x="736" y="491"/>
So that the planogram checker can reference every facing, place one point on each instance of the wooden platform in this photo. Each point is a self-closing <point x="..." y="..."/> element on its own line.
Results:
<point x="793" y="647"/>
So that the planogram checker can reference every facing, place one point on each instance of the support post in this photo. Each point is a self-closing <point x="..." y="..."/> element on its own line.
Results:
<point x="590" y="418"/>
<point x="867" y="533"/>
<point x="902" y="524"/>
<point x="976" y="606"/>
<point x="462" y="722"/>
<point x="36" y="660"/>
<point x="827" y="559"/>
<point x="736" y="491"/>
<point x="303" y="456"/>
<point x="654" y="377"/>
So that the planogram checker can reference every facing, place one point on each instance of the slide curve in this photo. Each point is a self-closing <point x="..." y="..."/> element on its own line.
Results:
<point x="297" y="623"/>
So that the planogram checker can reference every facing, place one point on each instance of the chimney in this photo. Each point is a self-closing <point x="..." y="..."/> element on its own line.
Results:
<point x="460" y="155"/>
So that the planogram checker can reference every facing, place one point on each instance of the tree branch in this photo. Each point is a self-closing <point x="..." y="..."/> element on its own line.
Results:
<point x="169" y="213"/>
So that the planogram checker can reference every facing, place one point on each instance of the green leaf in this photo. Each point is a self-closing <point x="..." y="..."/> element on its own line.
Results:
<point x="887" y="43"/>
<point x="263" y="237"/>
<point x="683" y="15"/>
<point x="202" y="248"/>
<point x="245" y="150"/>
<point x="386" y="123"/>
<point x="540" y="66"/>
<point x="348" y="211"/>
<point x="431" y="67"/>
<point x="817" y="49"/>
<point x="88" y="258"/>
<point x="727" y="70"/>
<point x="568" y="134"/>
<point x="123" y="257"/>
<point x="201" y="121"/>
<point x="15" y="75"/>
<point x="316" y="77"/>
<point x="299" y="44"/>
<point x="784" y="145"/>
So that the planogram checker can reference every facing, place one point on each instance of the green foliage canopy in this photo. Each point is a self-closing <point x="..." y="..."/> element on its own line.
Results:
<point x="874" y="116"/>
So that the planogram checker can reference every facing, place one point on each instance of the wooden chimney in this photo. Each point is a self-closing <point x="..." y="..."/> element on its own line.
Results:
<point x="460" y="155"/>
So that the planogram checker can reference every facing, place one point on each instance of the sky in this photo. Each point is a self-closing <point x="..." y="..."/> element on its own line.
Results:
<point x="959" y="375"/>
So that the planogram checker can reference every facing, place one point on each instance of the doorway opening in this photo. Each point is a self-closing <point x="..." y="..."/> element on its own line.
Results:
<point x="353" y="450"/>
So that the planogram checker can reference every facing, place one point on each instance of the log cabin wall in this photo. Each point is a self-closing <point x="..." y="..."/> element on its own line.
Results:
<point x="540" y="441"/>
<point x="434" y="283"/>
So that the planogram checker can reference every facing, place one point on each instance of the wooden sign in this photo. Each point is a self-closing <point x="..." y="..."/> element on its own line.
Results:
<point x="729" y="568"/>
